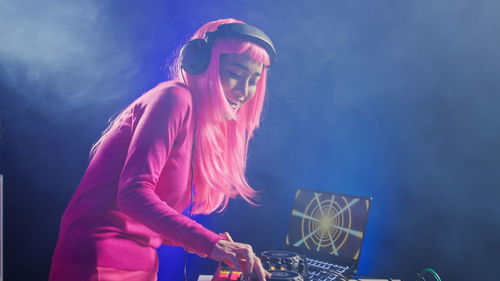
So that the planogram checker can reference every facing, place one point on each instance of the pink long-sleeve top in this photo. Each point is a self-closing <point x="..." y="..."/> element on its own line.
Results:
<point x="137" y="184"/>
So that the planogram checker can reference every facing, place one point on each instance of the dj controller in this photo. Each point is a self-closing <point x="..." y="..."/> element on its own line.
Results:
<point x="283" y="266"/>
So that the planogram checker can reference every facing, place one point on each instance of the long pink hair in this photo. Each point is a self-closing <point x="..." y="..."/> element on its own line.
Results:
<point x="221" y="146"/>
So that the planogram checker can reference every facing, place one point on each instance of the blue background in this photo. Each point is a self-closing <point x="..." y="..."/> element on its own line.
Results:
<point x="396" y="100"/>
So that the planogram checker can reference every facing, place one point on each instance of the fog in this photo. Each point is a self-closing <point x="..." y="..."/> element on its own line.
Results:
<point x="396" y="100"/>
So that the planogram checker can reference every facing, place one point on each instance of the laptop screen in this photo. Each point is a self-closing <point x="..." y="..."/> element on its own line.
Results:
<point x="325" y="224"/>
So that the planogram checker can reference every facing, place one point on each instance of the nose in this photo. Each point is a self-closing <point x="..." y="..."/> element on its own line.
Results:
<point x="242" y="91"/>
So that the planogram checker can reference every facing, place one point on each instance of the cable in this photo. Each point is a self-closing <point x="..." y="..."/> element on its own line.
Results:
<point x="185" y="266"/>
<point x="406" y="277"/>
<point x="192" y="193"/>
<point x="183" y="79"/>
<point x="431" y="271"/>
<point x="418" y="275"/>
<point x="421" y="275"/>
<point x="343" y="276"/>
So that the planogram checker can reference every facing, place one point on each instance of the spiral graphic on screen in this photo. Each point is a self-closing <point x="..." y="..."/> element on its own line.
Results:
<point x="326" y="222"/>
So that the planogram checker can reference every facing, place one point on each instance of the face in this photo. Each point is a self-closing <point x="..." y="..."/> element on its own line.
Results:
<point x="239" y="75"/>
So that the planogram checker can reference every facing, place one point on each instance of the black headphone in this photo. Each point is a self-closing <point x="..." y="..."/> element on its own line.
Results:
<point x="195" y="54"/>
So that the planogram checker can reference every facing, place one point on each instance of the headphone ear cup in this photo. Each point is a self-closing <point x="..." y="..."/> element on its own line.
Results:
<point x="195" y="56"/>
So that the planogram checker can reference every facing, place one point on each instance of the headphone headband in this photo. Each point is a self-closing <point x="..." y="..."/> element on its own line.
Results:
<point x="195" y="54"/>
<point x="246" y="32"/>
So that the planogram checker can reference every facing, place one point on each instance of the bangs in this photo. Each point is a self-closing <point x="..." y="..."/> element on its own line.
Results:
<point x="238" y="46"/>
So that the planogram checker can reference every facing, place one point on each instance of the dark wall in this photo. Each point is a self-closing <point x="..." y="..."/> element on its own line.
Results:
<point x="396" y="100"/>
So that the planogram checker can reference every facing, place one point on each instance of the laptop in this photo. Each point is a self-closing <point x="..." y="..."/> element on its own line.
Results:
<point x="328" y="229"/>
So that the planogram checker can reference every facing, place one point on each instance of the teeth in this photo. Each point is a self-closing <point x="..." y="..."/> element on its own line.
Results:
<point x="233" y="104"/>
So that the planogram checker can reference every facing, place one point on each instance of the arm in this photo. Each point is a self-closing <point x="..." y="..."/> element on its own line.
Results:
<point x="153" y="137"/>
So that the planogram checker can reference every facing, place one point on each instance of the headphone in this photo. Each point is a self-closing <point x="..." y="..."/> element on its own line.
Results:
<point x="195" y="54"/>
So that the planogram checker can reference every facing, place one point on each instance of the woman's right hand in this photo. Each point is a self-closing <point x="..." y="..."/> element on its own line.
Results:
<point x="239" y="256"/>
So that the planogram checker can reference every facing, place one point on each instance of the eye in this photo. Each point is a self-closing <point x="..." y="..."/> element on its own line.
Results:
<point x="252" y="83"/>
<point x="233" y="75"/>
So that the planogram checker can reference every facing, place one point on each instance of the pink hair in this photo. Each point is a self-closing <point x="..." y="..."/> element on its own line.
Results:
<point x="221" y="146"/>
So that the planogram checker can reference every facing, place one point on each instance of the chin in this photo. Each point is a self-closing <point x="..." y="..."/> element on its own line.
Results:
<point x="228" y="118"/>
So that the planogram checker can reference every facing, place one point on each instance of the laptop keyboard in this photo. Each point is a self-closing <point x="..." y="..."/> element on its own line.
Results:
<point x="322" y="271"/>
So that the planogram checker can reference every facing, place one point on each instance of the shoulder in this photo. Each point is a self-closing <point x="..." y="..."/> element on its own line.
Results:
<point x="169" y="96"/>
<point x="173" y="93"/>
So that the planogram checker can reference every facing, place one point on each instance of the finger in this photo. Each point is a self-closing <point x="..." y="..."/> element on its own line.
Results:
<point x="259" y="270"/>
<point x="246" y="257"/>
<point x="227" y="236"/>
<point x="235" y="262"/>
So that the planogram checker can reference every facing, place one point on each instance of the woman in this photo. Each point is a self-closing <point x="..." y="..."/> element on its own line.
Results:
<point x="191" y="131"/>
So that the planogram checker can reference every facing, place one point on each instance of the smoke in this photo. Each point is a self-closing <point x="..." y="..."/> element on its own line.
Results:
<point x="60" y="52"/>
<point x="397" y="100"/>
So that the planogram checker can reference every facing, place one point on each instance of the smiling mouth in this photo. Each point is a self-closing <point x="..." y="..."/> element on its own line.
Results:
<point x="234" y="104"/>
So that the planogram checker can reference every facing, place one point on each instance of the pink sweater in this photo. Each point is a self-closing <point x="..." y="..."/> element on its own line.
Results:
<point x="132" y="194"/>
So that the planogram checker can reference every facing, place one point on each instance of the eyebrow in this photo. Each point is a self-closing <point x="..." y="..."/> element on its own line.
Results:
<point x="244" y="67"/>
